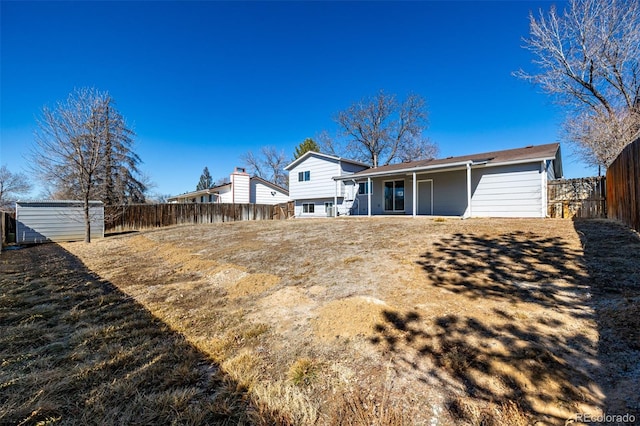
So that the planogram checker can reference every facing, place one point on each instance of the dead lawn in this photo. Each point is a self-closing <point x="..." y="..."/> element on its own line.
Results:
<point x="354" y="321"/>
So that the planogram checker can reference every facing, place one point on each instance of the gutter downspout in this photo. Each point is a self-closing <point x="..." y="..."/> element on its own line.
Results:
<point x="543" y="190"/>
<point x="414" y="194"/>
<point x="469" y="213"/>
<point x="335" y="197"/>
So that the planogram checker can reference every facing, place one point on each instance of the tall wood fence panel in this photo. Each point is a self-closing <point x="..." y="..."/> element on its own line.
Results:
<point x="581" y="198"/>
<point x="623" y="186"/>
<point x="143" y="216"/>
<point x="7" y="227"/>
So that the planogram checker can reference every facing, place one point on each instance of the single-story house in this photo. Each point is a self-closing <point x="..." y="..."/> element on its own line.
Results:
<point x="508" y="183"/>
<point x="313" y="189"/>
<point x="241" y="189"/>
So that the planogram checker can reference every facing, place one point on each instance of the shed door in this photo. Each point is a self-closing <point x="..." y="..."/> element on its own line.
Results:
<point x="425" y="197"/>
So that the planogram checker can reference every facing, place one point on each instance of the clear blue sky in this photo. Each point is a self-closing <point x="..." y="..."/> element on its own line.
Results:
<point x="203" y="82"/>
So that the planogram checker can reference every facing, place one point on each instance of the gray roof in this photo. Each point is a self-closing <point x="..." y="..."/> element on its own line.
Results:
<point x="518" y="155"/>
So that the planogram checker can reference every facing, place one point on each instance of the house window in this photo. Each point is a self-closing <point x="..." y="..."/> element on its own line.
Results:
<point x="394" y="195"/>
<point x="308" y="208"/>
<point x="328" y="206"/>
<point x="304" y="176"/>
<point x="363" y="188"/>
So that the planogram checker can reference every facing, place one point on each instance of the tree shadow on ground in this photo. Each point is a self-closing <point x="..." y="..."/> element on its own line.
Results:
<point x="612" y="256"/>
<point x="75" y="349"/>
<point x="518" y="328"/>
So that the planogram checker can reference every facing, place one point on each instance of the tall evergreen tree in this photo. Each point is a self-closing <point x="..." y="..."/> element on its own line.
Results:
<point x="84" y="151"/>
<point x="305" y="146"/>
<point x="206" y="181"/>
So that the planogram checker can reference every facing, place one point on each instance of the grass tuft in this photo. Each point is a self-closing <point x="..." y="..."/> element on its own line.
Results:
<point x="303" y="372"/>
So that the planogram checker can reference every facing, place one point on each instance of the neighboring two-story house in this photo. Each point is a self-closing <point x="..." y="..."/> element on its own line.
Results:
<point x="313" y="189"/>
<point x="241" y="189"/>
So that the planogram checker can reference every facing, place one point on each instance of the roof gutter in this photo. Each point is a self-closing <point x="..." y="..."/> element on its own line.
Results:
<point x="403" y="171"/>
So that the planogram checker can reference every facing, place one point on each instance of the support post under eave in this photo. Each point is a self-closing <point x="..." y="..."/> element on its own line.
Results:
<point x="334" y="213"/>
<point x="415" y="196"/>
<point x="468" y="191"/>
<point x="369" y="196"/>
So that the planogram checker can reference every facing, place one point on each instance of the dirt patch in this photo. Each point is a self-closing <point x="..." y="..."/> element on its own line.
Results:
<point x="350" y="317"/>
<point x="252" y="284"/>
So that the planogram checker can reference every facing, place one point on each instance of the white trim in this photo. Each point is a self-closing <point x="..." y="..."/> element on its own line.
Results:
<point x="369" y="196"/>
<point x="319" y="154"/>
<point x="418" y="194"/>
<point x="543" y="188"/>
<point x="415" y="196"/>
<point x="469" y="213"/>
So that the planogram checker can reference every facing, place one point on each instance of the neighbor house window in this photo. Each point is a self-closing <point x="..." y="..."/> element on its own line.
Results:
<point x="328" y="207"/>
<point x="363" y="188"/>
<point x="308" y="208"/>
<point x="394" y="195"/>
<point x="304" y="176"/>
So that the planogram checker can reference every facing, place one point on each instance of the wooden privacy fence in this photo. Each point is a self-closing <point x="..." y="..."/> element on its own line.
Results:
<point x="141" y="216"/>
<point x="623" y="186"/>
<point x="581" y="198"/>
<point x="7" y="228"/>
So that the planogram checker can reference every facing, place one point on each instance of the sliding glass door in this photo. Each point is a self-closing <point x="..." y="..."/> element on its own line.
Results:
<point x="394" y="195"/>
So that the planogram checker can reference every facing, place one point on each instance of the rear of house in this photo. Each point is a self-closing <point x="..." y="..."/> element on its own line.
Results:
<point x="313" y="189"/>
<point x="57" y="221"/>
<point x="509" y="183"/>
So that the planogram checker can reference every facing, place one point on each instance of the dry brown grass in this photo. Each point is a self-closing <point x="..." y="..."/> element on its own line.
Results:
<point x="398" y="321"/>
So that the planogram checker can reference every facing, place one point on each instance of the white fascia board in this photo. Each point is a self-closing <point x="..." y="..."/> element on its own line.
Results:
<point x="331" y="157"/>
<point x="404" y="171"/>
<point x="509" y="163"/>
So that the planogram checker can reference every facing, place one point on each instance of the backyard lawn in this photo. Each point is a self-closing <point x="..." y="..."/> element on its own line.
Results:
<point x="332" y="321"/>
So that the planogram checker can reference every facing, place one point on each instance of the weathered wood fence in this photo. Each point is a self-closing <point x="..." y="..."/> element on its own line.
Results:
<point x="7" y="228"/>
<point x="580" y="198"/>
<point x="143" y="216"/>
<point x="623" y="186"/>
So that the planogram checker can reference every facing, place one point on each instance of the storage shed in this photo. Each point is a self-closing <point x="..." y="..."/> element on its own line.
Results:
<point x="58" y="221"/>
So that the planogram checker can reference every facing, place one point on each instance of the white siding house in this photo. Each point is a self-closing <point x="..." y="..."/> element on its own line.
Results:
<point x="312" y="186"/>
<point x="241" y="189"/>
<point x="509" y="183"/>
<point x="43" y="221"/>
<point x="265" y="192"/>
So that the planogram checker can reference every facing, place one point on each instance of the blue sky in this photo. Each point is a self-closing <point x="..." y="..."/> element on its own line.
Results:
<point x="203" y="82"/>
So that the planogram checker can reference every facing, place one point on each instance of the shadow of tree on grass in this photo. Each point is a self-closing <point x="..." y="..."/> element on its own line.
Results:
<point x="612" y="257"/>
<point x="519" y="327"/>
<point x="75" y="349"/>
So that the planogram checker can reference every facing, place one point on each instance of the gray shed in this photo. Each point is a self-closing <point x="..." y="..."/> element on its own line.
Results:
<point x="58" y="221"/>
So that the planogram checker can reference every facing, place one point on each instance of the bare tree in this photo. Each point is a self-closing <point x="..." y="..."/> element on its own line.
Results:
<point x="269" y="165"/>
<point x="83" y="150"/>
<point x="588" y="59"/>
<point x="11" y="186"/>
<point x="380" y="130"/>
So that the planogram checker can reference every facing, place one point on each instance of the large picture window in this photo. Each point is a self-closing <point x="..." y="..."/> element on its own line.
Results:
<point x="394" y="195"/>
